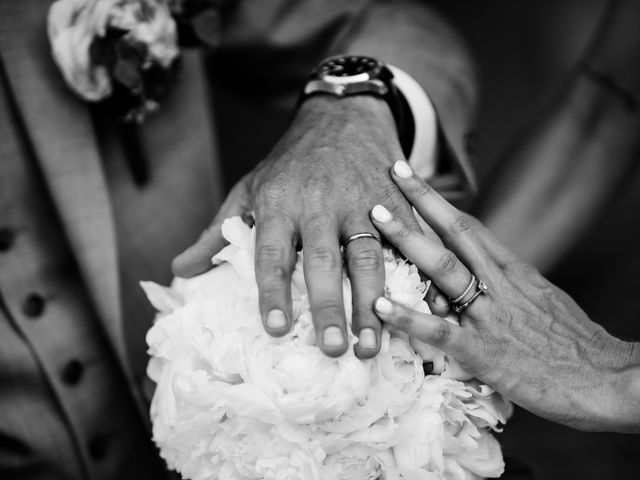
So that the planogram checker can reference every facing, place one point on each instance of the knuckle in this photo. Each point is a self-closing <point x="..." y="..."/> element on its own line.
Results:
<point x="271" y="191"/>
<point x="389" y="194"/>
<point x="405" y="321"/>
<point x="525" y="272"/>
<point x="462" y="225"/>
<point x="328" y="310"/>
<point x="403" y="233"/>
<point x="316" y="188"/>
<point x="521" y="267"/>
<point x="322" y="258"/>
<point x="367" y="260"/>
<point x="422" y="190"/>
<point x="442" y="333"/>
<point x="447" y="263"/>
<point x="276" y="276"/>
<point x="269" y="256"/>
<point x="316" y="220"/>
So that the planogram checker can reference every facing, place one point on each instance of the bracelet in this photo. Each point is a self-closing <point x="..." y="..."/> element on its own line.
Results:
<point x="607" y="83"/>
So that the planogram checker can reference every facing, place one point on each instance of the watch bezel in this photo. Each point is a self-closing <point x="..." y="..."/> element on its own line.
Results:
<point x="323" y="71"/>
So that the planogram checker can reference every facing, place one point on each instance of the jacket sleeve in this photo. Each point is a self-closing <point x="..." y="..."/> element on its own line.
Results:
<point x="269" y="47"/>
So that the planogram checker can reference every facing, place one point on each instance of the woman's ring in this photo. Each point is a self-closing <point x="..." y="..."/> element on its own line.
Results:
<point x="465" y="292"/>
<point x="481" y="289"/>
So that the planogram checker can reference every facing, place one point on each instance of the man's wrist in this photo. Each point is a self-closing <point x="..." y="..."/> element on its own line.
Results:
<point x="366" y="115"/>
<point x="356" y="107"/>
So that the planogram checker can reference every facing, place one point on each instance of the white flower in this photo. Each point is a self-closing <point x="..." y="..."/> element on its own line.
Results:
<point x="74" y="24"/>
<point x="234" y="403"/>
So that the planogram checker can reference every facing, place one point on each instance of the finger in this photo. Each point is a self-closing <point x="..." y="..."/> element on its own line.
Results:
<point x="197" y="258"/>
<point x="438" y="263"/>
<point x="365" y="266"/>
<point x="323" y="275"/>
<point x="430" y="329"/>
<point x="275" y="259"/>
<point x="437" y="301"/>
<point x="459" y="231"/>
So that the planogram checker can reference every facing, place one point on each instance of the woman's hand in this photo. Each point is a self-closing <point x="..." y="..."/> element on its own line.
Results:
<point x="525" y="337"/>
<point x="315" y="189"/>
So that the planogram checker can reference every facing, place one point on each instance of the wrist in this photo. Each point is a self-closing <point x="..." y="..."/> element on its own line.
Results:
<point x="357" y="117"/>
<point x="355" y="108"/>
<point x="628" y="390"/>
<point x="621" y="409"/>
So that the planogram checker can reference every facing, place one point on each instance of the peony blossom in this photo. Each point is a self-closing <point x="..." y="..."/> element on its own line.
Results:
<point x="234" y="403"/>
<point x="73" y="25"/>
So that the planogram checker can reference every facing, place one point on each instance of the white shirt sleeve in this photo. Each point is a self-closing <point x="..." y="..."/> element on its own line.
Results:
<point x="423" y="156"/>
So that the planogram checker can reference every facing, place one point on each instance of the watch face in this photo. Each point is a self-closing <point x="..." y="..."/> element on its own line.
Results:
<point x="349" y="68"/>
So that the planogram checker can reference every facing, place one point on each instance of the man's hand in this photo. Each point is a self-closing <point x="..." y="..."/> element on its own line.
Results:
<point x="315" y="190"/>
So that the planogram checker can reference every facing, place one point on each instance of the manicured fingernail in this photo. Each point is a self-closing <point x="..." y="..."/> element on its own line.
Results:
<point x="440" y="300"/>
<point x="276" y="319"/>
<point x="332" y="337"/>
<point x="381" y="214"/>
<point x="402" y="169"/>
<point x="427" y="367"/>
<point x="367" y="338"/>
<point x="383" y="305"/>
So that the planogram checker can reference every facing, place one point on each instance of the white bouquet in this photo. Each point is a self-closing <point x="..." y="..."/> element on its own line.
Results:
<point x="234" y="403"/>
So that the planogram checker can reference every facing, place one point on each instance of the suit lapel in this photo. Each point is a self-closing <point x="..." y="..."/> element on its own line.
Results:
<point x="59" y="129"/>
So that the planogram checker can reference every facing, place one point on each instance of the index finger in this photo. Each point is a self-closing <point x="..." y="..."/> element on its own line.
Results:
<point x="431" y="329"/>
<point x="462" y="232"/>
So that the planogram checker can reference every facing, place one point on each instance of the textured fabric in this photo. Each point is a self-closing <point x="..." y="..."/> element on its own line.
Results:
<point x="84" y="236"/>
<point x="49" y="408"/>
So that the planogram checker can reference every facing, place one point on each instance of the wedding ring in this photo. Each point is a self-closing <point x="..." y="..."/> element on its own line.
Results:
<point x="466" y="291"/>
<point x="360" y="235"/>
<point x="481" y="289"/>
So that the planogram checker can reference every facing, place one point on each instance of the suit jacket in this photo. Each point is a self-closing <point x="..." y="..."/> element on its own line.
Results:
<point x="118" y="233"/>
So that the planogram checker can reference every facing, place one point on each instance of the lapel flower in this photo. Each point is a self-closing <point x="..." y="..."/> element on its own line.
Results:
<point x="115" y="47"/>
<point x="125" y="54"/>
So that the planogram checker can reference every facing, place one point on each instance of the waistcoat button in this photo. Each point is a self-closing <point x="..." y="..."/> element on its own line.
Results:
<point x="6" y="238"/>
<point x="33" y="305"/>
<point x="72" y="371"/>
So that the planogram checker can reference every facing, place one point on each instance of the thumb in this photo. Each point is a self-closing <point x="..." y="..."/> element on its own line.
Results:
<point x="197" y="258"/>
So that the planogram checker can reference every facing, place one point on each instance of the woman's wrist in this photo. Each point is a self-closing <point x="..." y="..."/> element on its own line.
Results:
<point x="622" y="407"/>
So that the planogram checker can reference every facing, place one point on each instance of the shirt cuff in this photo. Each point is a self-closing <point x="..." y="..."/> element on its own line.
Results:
<point x="425" y="141"/>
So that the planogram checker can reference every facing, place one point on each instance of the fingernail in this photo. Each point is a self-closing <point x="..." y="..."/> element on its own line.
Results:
<point x="367" y="338"/>
<point x="402" y="169"/>
<point x="276" y="319"/>
<point x="332" y="337"/>
<point x="383" y="305"/>
<point x="381" y="214"/>
<point x="440" y="300"/>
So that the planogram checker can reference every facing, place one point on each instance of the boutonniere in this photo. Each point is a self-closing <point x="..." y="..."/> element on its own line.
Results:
<point x="125" y="55"/>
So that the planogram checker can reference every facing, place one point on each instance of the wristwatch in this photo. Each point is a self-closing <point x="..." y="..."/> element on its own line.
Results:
<point x="347" y="75"/>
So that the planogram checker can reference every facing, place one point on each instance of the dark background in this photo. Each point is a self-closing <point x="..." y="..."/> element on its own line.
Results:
<point x="524" y="51"/>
